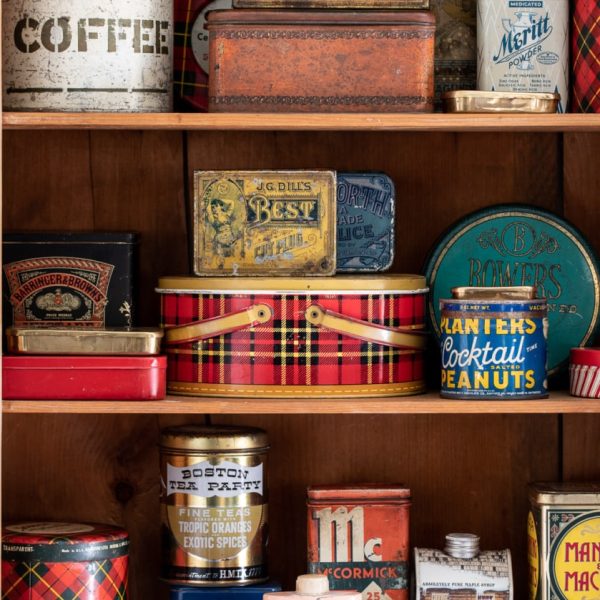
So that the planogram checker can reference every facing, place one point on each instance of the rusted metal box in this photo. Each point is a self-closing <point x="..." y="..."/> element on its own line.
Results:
<point x="321" y="61"/>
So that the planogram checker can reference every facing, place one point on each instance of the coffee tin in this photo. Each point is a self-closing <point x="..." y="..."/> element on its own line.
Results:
<point x="584" y="372"/>
<point x="214" y="505"/>
<point x="64" y="560"/>
<point x="264" y="223"/>
<point x="358" y="535"/>
<point x="365" y="222"/>
<point x="523" y="46"/>
<point x="563" y="529"/>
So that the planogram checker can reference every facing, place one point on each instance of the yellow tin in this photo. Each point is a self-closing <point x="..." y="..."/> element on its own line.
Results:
<point x="264" y="223"/>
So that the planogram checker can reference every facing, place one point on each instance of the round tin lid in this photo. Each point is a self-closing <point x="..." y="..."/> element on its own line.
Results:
<point x="63" y="542"/>
<point x="585" y="356"/>
<point x="217" y="438"/>
<point x="515" y="245"/>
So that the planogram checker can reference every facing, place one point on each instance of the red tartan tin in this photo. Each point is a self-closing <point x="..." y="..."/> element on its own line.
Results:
<point x="50" y="561"/>
<point x="294" y="337"/>
<point x="358" y="535"/>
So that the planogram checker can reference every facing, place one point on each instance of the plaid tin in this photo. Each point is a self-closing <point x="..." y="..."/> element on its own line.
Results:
<point x="287" y="355"/>
<point x="585" y="42"/>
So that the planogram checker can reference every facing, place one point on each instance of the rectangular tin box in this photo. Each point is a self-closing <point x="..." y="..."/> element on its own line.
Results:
<point x="563" y="530"/>
<point x="78" y="279"/>
<point x="499" y="102"/>
<point x="264" y="223"/>
<point x="321" y="61"/>
<point x="359" y="536"/>
<point x="365" y="222"/>
<point x="83" y="377"/>
<point x="294" y="337"/>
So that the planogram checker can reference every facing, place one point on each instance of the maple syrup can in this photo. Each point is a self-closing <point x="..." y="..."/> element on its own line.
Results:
<point x="214" y="505"/>
<point x="563" y="529"/>
<point x="359" y="537"/>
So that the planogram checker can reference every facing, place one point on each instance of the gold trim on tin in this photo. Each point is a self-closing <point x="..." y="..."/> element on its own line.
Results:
<point x="565" y="493"/>
<point x="214" y="438"/>
<point x="520" y="292"/>
<point x="477" y="101"/>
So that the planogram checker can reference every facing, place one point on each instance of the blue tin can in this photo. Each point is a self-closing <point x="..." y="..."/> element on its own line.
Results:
<point x="365" y="222"/>
<point x="493" y="348"/>
<point x="247" y="592"/>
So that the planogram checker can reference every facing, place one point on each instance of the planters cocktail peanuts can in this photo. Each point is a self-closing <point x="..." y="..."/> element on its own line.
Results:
<point x="493" y="344"/>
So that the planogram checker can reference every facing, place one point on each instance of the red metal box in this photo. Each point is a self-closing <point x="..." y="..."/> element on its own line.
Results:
<point x="83" y="377"/>
<point x="320" y="61"/>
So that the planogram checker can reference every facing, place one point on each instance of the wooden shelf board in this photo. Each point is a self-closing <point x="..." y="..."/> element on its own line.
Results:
<point x="430" y="403"/>
<point x="304" y="121"/>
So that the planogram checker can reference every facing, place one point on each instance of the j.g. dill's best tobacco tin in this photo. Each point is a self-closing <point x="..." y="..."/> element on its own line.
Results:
<point x="517" y="245"/>
<point x="264" y="223"/>
<point x="214" y="505"/>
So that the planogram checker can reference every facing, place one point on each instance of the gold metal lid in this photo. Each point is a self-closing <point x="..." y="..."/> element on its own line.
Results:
<point x="214" y="438"/>
<point x="559" y="493"/>
<point x="478" y="101"/>
<point x="522" y="292"/>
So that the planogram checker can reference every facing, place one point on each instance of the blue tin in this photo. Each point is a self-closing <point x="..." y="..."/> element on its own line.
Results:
<point x="365" y="222"/>
<point x="247" y="592"/>
<point x="493" y="349"/>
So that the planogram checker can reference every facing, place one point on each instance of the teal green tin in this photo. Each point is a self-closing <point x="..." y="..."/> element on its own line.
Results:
<point x="518" y="245"/>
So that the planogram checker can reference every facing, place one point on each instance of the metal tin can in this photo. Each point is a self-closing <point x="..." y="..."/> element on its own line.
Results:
<point x="264" y="223"/>
<point x="563" y="529"/>
<point x="88" y="55"/>
<point x="359" y="537"/>
<point x="473" y="101"/>
<point x="584" y="372"/>
<point x="493" y="348"/>
<point x="523" y="46"/>
<point x="365" y="222"/>
<point x="64" y="560"/>
<point x="214" y="504"/>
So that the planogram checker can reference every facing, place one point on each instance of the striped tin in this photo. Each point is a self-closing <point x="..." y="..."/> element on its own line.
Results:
<point x="64" y="561"/>
<point x="295" y="337"/>
<point x="584" y="372"/>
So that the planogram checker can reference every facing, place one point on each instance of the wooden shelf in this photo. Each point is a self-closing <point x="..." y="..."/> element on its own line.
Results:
<point x="430" y="403"/>
<point x="305" y="122"/>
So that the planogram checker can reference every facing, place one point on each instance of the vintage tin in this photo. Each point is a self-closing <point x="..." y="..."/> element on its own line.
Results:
<point x="584" y="372"/>
<point x="214" y="505"/>
<point x="499" y="102"/>
<point x="333" y="4"/>
<point x="69" y="279"/>
<point x="89" y="55"/>
<point x="321" y="61"/>
<point x="246" y="592"/>
<point x="359" y="537"/>
<point x="264" y="223"/>
<point x="515" y="245"/>
<point x="563" y="529"/>
<point x="83" y="377"/>
<point x="493" y="348"/>
<point x="70" y="340"/>
<point x="585" y="50"/>
<point x="365" y="222"/>
<point x="523" y="46"/>
<point x="320" y="337"/>
<point x="64" y="560"/>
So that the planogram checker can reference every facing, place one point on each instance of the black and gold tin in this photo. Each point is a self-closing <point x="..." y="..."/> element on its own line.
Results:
<point x="214" y="505"/>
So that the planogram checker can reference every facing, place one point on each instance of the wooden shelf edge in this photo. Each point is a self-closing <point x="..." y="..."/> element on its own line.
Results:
<point x="304" y="121"/>
<point x="430" y="403"/>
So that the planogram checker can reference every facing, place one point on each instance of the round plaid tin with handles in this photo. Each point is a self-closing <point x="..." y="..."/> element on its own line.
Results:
<point x="63" y="561"/>
<point x="294" y="337"/>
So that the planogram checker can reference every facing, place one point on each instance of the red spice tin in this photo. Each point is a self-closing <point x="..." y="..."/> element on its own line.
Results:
<point x="294" y="337"/>
<point x="83" y="377"/>
<point x="584" y="372"/>
<point x="64" y="560"/>
<point x="359" y="536"/>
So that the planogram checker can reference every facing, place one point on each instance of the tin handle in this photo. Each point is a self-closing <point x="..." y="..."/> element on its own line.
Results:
<point x="201" y="330"/>
<point x="404" y="338"/>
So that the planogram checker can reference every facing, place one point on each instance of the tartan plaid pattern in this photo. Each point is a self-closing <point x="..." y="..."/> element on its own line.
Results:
<point x="585" y="49"/>
<point x="94" y="580"/>
<point x="288" y="350"/>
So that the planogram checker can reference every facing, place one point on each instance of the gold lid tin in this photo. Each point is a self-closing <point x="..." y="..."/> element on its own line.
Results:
<point x="566" y="493"/>
<point x="517" y="292"/>
<point x="475" y="101"/>
<point x="221" y="439"/>
<point x="72" y="340"/>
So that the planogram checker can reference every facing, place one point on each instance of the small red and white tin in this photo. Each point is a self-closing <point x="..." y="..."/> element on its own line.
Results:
<point x="584" y="372"/>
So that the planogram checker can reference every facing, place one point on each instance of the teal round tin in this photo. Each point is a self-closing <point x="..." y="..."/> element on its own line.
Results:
<point x="517" y="245"/>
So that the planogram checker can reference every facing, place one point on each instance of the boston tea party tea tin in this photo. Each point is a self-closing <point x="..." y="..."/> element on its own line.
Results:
<point x="264" y="223"/>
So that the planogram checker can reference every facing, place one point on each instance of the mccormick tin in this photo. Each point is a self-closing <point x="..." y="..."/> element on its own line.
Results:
<point x="523" y="46"/>
<point x="493" y="348"/>
<point x="584" y="372"/>
<point x="359" y="537"/>
<point x="64" y="560"/>
<point x="473" y="101"/>
<point x="246" y="592"/>
<point x="365" y="222"/>
<point x="214" y="504"/>
<point x="89" y="55"/>
<point x="295" y="337"/>
<point x="264" y="223"/>
<point x="563" y="528"/>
